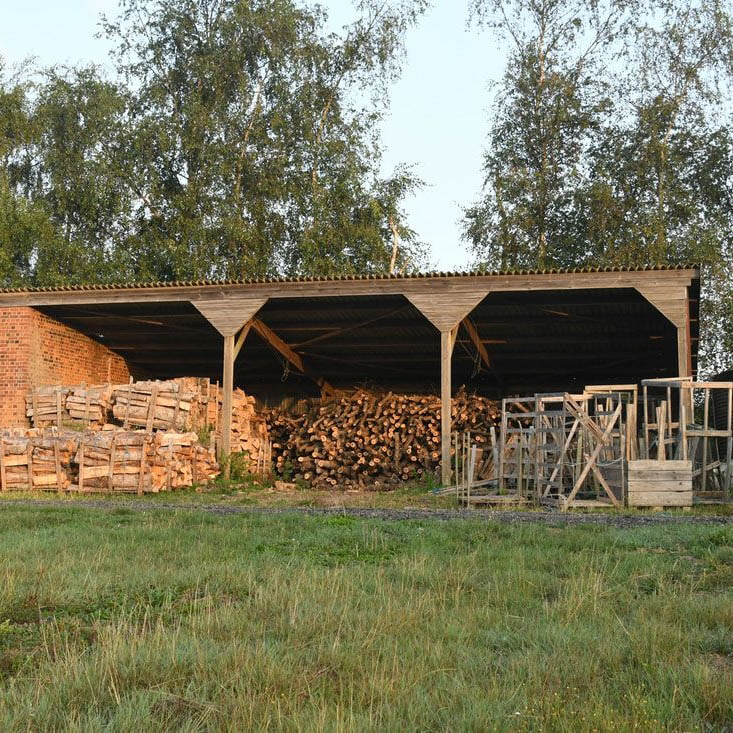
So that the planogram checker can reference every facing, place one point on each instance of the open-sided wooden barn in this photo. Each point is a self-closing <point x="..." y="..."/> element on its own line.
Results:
<point x="498" y="333"/>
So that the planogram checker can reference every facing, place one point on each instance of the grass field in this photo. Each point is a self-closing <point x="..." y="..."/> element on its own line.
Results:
<point x="121" y="620"/>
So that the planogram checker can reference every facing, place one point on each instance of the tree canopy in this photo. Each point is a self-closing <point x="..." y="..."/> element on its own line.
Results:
<point x="238" y="138"/>
<point x="610" y="143"/>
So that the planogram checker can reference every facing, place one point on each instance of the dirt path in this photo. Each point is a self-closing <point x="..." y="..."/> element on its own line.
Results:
<point x="540" y="517"/>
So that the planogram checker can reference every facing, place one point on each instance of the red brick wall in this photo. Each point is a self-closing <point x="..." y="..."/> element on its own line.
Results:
<point x="37" y="350"/>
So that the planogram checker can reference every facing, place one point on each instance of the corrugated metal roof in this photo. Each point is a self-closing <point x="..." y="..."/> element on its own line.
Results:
<point x="339" y="278"/>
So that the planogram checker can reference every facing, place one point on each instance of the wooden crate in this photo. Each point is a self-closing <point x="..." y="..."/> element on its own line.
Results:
<point x="660" y="483"/>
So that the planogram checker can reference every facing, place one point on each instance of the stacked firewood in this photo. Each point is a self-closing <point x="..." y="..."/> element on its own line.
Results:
<point x="139" y="462"/>
<point x="69" y="406"/>
<point x="370" y="440"/>
<point x="114" y="460"/>
<point x="249" y="428"/>
<point x="90" y="406"/>
<point x="180" y="460"/>
<point x="46" y="406"/>
<point x="35" y="459"/>
<point x="176" y="404"/>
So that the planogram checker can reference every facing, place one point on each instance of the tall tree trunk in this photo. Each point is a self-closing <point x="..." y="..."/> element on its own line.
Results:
<point x="395" y="245"/>
<point x="542" y="208"/>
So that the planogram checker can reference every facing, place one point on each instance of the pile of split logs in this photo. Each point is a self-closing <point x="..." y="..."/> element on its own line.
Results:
<point x="249" y="428"/>
<point x="135" y="461"/>
<point x="112" y="459"/>
<point x="370" y="440"/>
<point x="185" y="404"/>
<point x="35" y="459"/>
<point x="47" y="406"/>
<point x="137" y="437"/>
<point x="177" y="404"/>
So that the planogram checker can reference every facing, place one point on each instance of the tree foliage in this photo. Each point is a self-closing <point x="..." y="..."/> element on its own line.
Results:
<point x="610" y="143"/>
<point x="239" y="138"/>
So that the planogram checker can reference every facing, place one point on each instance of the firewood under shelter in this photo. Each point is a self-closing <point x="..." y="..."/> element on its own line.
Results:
<point x="499" y="333"/>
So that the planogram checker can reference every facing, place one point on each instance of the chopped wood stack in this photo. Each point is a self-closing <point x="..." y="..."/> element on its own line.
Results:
<point x="90" y="406"/>
<point x="139" y="462"/>
<point x="38" y="460"/>
<point x="179" y="461"/>
<point x="46" y="406"/>
<point x="250" y="433"/>
<point x="371" y="440"/>
<point x="114" y="460"/>
<point x="66" y="406"/>
<point x="176" y="404"/>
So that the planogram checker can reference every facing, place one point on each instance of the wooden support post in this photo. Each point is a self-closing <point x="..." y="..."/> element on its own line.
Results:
<point x="447" y="339"/>
<point x="226" y="405"/>
<point x="684" y="356"/>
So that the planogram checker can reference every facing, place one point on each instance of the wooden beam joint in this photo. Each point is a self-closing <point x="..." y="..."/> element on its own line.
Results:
<point x="271" y="338"/>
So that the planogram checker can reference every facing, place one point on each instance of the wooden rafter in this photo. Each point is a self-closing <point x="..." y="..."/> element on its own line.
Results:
<point x="353" y="327"/>
<point x="477" y="342"/>
<point x="270" y="337"/>
<point x="241" y="338"/>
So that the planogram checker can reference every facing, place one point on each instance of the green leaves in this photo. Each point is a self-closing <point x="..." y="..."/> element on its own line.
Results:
<point x="607" y="144"/>
<point x="238" y="140"/>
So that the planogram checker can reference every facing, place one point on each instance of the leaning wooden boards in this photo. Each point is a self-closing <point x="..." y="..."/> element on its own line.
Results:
<point x="660" y="483"/>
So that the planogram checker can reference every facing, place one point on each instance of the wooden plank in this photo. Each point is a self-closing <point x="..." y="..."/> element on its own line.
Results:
<point x="241" y="337"/>
<point x="57" y="465"/>
<point x="3" y="481"/>
<point x="477" y="342"/>
<point x="660" y="498"/>
<point x="664" y="486"/>
<point x="653" y="477"/>
<point x="645" y="464"/>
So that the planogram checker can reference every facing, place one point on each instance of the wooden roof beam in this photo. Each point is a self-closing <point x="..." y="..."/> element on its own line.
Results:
<point x="477" y="342"/>
<point x="270" y="337"/>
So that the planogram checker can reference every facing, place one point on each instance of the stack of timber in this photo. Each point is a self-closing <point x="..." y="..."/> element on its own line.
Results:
<point x="250" y="433"/>
<point x="180" y="461"/>
<point x="35" y="459"/>
<point x="176" y="404"/>
<point x="139" y="462"/>
<point x="89" y="406"/>
<point x="372" y="440"/>
<point x="46" y="406"/>
<point x="114" y="460"/>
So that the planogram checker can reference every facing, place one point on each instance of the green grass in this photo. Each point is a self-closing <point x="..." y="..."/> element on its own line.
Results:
<point x="120" y="620"/>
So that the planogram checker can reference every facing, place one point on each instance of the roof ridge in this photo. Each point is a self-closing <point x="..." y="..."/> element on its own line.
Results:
<point x="337" y="278"/>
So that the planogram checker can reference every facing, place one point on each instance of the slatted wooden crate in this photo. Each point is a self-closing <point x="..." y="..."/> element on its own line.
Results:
<point x="660" y="483"/>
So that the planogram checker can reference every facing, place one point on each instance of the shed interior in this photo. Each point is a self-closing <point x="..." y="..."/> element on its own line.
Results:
<point x="536" y="340"/>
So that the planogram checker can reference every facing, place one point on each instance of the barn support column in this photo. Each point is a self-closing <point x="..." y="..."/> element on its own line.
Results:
<point x="446" y="311"/>
<point x="447" y="342"/>
<point x="229" y="316"/>
<point x="226" y="401"/>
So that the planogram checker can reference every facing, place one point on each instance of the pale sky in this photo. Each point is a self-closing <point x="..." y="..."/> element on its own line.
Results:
<point x="438" y="116"/>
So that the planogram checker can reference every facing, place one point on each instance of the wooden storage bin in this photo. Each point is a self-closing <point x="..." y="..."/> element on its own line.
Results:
<point x="660" y="483"/>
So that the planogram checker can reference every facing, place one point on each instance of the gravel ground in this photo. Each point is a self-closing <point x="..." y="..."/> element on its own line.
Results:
<point x="549" y="517"/>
